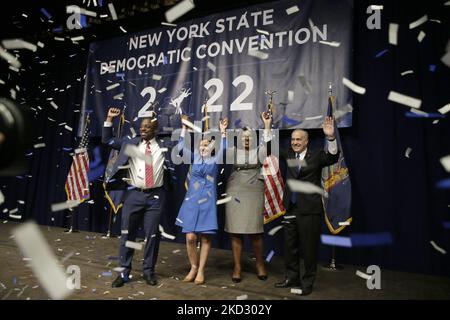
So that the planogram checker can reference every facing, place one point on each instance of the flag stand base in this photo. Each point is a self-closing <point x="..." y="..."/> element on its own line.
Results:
<point x="332" y="266"/>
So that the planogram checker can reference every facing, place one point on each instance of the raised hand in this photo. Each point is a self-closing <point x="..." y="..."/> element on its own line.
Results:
<point x="223" y="125"/>
<point x="328" y="128"/>
<point x="112" y="113"/>
<point x="267" y="119"/>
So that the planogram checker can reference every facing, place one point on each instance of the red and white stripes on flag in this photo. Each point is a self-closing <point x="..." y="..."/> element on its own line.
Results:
<point x="273" y="189"/>
<point x="77" y="183"/>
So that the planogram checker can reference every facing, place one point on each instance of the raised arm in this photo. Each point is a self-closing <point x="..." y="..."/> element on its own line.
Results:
<point x="107" y="131"/>
<point x="223" y="124"/>
<point x="332" y="155"/>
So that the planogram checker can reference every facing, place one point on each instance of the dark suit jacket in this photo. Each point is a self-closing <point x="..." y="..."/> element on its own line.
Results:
<point x="115" y="174"/>
<point x="315" y="160"/>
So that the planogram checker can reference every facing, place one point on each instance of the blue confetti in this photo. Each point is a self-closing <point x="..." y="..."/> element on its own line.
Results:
<point x="107" y="274"/>
<point x="379" y="54"/>
<point x="67" y="149"/>
<point x="337" y="241"/>
<point x="270" y="255"/>
<point x="432" y="67"/>
<point x="59" y="29"/>
<point x="165" y="60"/>
<point x="120" y="75"/>
<point x="237" y="200"/>
<point x="237" y="123"/>
<point x="45" y="12"/>
<point x="410" y="114"/>
<point x="443" y="184"/>
<point x="446" y="224"/>
<point x="14" y="280"/>
<point x="289" y="121"/>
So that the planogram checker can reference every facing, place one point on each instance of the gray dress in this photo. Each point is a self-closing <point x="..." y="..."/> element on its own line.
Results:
<point x="245" y="212"/>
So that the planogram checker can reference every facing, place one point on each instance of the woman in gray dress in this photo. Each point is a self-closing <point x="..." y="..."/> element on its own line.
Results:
<point x="244" y="213"/>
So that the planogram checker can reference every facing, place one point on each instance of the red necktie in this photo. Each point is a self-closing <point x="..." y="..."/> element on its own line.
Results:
<point x="148" y="168"/>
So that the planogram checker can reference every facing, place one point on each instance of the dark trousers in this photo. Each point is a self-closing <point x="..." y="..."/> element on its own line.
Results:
<point x="302" y="235"/>
<point x="141" y="208"/>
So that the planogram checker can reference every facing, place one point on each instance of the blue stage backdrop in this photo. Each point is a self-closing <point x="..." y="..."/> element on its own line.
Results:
<point x="229" y="59"/>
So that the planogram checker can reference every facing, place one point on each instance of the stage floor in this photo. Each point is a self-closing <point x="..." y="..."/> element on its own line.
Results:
<point x="96" y="257"/>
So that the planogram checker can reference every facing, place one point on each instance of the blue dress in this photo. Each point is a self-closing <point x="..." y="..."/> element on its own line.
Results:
<point x="198" y="212"/>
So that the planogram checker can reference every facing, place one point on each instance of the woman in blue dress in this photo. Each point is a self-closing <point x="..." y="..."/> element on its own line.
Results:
<point x="198" y="212"/>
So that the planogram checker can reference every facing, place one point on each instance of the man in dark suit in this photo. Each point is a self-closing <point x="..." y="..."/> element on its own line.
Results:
<point x="304" y="211"/>
<point x="144" y="182"/>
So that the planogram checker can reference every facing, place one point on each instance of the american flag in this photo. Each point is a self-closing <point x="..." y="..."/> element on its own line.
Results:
<point x="273" y="189"/>
<point x="77" y="183"/>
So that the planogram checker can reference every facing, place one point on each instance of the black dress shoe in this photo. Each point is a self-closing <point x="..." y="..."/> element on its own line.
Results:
<point x="235" y="279"/>
<point x="119" y="282"/>
<point x="287" y="283"/>
<point x="262" y="277"/>
<point x="150" y="279"/>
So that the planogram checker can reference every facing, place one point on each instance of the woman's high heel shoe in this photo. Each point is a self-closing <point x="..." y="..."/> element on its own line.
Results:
<point x="262" y="277"/>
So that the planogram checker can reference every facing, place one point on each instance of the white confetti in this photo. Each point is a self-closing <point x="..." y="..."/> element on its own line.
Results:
<point x="292" y="10"/>
<point x="115" y="85"/>
<point x="421" y="36"/>
<point x="44" y="263"/>
<point x="54" y="105"/>
<point x="133" y="245"/>
<point x="112" y="11"/>
<point x="363" y="275"/>
<point x="134" y="152"/>
<point x="178" y="10"/>
<point x="242" y="297"/>
<point x="18" y="44"/>
<point x="331" y="44"/>
<point x="12" y="60"/>
<point x="191" y="125"/>
<point x="407" y="72"/>
<point x="123" y="30"/>
<point x="39" y="145"/>
<point x="436" y="247"/>
<point x="418" y="22"/>
<point x="2" y="197"/>
<point x="376" y="7"/>
<point x="445" y="59"/>
<point x="68" y="128"/>
<point x="211" y="66"/>
<point x="313" y="118"/>
<point x="445" y="109"/>
<point x="168" y="24"/>
<point x="118" y="96"/>
<point x="408" y="152"/>
<point x="40" y="44"/>
<point x="79" y="38"/>
<point x="345" y="223"/>
<point x="274" y="230"/>
<point x="156" y="77"/>
<point x="64" y="205"/>
<point x="15" y="216"/>
<point x="445" y="161"/>
<point x="296" y="291"/>
<point x="303" y="187"/>
<point x="393" y="31"/>
<point x="263" y="32"/>
<point x="164" y="234"/>
<point x="162" y="90"/>
<point x="258" y="54"/>
<point x="353" y="87"/>
<point x="59" y="39"/>
<point x="224" y="200"/>
<point x="404" y="99"/>
<point x="290" y="96"/>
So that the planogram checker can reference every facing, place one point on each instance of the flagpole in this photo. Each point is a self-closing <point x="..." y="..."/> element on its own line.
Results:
<point x="332" y="266"/>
